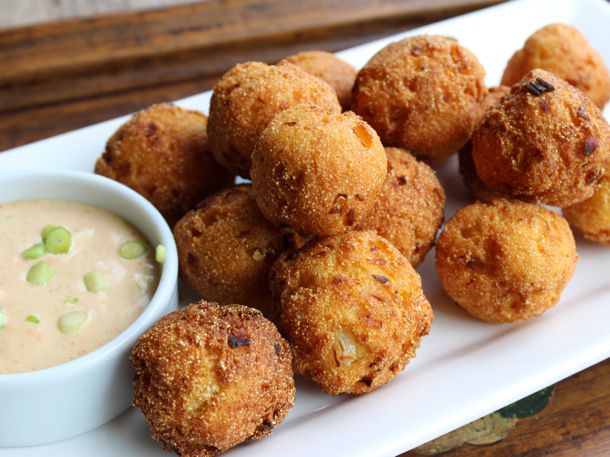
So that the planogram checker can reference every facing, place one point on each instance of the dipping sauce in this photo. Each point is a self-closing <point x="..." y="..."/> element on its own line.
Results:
<point x="72" y="277"/>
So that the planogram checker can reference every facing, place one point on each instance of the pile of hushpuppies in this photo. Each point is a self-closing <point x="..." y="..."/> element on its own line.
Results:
<point x="343" y="204"/>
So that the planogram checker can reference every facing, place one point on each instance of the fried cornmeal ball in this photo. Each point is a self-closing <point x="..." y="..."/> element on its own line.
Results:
<point x="339" y="74"/>
<point x="409" y="210"/>
<point x="162" y="153"/>
<point x="226" y="248"/>
<point x="505" y="260"/>
<point x="562" y="50"/>
<point x="466" y="165"/>
<point x="353" y="310"/>
<point x="317" y="171"/>
<point x="592" y="216"/>
<point x="544" y="141"/>
<point x="208" y="377"/>
<point x="247" y="97"/>
<point x="421" y="94"/>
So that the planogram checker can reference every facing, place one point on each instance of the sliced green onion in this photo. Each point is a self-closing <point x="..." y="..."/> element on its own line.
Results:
<point x="160" y="253"/>
<point x="73" y="300"/>
<point x="34" y="252"/>
<point x="58" y="240"/>
<point x="2" y="318"/>
<point x="45" y="231"/>
<point x="133" y="249"/>
<point x="40" y="274"/>
<point x="32" y="319"/>
<point x="72" y="321"/>
<point x="95" y="281"/>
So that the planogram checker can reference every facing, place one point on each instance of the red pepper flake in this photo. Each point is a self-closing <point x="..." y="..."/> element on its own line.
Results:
<point x="591" y="144"/>
<point x="350" y="218"/>
<point x="381" y="279"/>
<point x="236" y="341"/>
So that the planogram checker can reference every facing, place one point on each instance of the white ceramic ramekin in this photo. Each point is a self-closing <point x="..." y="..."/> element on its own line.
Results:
<point x="77" y="396"/>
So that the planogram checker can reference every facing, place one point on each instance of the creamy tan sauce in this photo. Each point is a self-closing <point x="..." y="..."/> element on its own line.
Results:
<point x="96" y="237"/>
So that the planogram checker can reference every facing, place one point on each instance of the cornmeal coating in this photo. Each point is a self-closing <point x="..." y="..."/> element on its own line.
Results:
<point x="162" y="153"/>
<point x="339" y="74"/>
<point x="592" y="216"/>
<point x="316" y="171"/>
<point x="466" y="165"/>
<point x="208" y="377"/>
<point x="353" y="310"/>
<point x="247" y="97"/>
<point x="561" y="49"/>
<point x="226" y="248"/>
<point x="421" y="94"/>
<point x="544" y="141"/>
<point x="505" y="260"/>
<point x="409" y="210"/>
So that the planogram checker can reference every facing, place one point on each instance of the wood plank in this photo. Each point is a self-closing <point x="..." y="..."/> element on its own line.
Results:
<point x="32" y="109"/>
<point x="77" y="58"/>
<point x="575" y="423"/>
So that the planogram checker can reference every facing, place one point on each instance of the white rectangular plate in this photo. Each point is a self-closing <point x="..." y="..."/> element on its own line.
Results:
<point x="464" y="368"/>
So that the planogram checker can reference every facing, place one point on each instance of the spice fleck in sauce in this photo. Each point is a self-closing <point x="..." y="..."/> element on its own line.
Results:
<point x="49" y="312"/>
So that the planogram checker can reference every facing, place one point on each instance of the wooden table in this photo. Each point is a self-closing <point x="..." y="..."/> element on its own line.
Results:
<point x="60" y="76"/>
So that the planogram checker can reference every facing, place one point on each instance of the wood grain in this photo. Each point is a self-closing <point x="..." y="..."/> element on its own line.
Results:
<point x="53" y="65"/>
<point x="576" y="423"/>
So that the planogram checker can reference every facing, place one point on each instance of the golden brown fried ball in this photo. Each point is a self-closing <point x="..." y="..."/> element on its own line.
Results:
<point x="353" y="310"/>
<point x="162" y="152"/>
<point x="466" y="165"/>
<point x="339" y="74"/>
<point x="208" y="377"/>
<point x="316" y="171"/>
<point x="421" y="94"/>
<point x="226" y="248"/>
<point x="592" y="216"/>
<point x="505" y="261"/>
<point x="544" y="141"/>
<point x="409" y="210"/>
<point x="561" y="49"/>
<point x="247" y="97"/>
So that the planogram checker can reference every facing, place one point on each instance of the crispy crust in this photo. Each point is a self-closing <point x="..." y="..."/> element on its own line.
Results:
<point x="355" y="287"/>
<point x="247" y="97"/>
<point x="592" y="216"/>
<point x="409" y="210"/>
<point x="466" y="165"/>
<point x="421" y="94"/>
<point x="226" y="248"/>
<point x="505" y="261"/>
<point x="339" y="74"/>
<point x="208" y="377"/>
<point x="162" y="153"/>
<point x="549" y="147"/>
<point x="316" y="171"/>
<point x="561" y="49"/>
